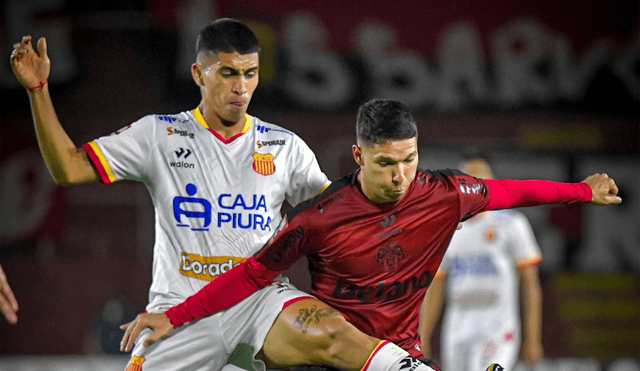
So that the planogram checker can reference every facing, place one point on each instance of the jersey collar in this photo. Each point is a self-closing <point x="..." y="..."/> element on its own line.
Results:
<point x="200" y="119"/>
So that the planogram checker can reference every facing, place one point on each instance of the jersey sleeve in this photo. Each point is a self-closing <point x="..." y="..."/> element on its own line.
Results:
<point x="123" y="154"/>
<point x="289" y="243"/>
<point x="307" y="179"/>
<point x="222" y="293"/>
<point x="523" y="246"/>
<point x="524" y="193"/>
<point x="474" y="194"/>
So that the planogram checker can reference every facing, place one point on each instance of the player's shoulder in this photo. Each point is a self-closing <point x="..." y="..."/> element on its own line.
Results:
<point x="269" y="129"/>
<point x="329" y="198"/>
<point x="448" y="178"/>
<point x="167" y="122"/>
<point x="508" y="216"/>
<point x="438" y="176"/>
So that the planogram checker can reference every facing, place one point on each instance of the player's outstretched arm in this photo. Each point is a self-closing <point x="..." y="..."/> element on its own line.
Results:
<point x="604" y="189"/>
<point x="158" y="322"/>
<point x="66" y="163"/>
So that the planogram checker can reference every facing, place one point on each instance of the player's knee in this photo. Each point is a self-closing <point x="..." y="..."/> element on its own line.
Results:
<point x="342" y="341"/>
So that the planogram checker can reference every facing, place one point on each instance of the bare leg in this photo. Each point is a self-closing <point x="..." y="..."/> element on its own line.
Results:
<point x="309" y="332"/>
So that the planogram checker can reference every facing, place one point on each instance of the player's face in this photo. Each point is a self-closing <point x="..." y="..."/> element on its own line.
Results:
<point x="387" y="168"/>
<point x="227" y="82"/>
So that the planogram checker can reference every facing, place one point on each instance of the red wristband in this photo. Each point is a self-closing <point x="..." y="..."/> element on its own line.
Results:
<point x="41" y="85"/>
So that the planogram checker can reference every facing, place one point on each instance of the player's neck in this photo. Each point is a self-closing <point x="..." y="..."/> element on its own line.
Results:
<point x="226" y="130"/>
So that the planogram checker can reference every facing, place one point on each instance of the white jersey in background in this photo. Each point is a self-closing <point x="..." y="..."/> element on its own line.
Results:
<point x="216" y="201"/>
<point x="482" y="316"/>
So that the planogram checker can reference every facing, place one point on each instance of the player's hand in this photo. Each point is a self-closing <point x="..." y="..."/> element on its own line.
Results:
<point x="531" y="353"/>
<point x="30" y="67"/>
<point x="8" y="302"/>
<point x="604" y="190"/>
<point x="158" y="322"/>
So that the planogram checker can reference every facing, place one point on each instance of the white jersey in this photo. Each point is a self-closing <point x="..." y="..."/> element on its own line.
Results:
<point x="482" y="280"/>
<point x="216" y="201"/>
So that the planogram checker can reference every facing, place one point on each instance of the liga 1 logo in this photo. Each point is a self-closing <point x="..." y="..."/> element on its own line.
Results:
<point x="206" y="268"/>
<point x="263" y="164"/>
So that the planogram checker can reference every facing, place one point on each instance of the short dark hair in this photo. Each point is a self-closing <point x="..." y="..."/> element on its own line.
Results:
<point x="227" y="35"/>
<point x="381" y="120"/>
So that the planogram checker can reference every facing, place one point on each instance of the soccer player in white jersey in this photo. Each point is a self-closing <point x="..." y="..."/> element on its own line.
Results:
<point x="488" y="260"/>
<point x="217" y="178"/>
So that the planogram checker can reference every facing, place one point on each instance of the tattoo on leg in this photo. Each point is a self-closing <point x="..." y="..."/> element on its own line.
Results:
<point x="307" y="316"/>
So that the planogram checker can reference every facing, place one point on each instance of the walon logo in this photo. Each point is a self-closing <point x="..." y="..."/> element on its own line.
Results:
<point x="182" y="154"/>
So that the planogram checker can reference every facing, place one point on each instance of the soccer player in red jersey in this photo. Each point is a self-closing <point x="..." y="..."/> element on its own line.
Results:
<point x="375" y="238"/>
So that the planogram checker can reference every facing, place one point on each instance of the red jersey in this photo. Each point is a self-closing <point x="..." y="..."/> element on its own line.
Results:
<point x="373" y="262"/>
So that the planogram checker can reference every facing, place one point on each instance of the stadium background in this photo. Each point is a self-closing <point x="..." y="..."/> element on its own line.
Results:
<point x="550" y="89"/>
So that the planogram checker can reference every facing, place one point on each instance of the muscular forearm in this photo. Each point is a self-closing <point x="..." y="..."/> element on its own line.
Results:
<point x="507" y="194"/>
<point x="223" y="293"/>
<point x="66" y="163"/>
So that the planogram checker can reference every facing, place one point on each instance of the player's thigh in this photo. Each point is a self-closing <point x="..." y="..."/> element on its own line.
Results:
<point x="311" y="332"/>
<point x="249" y="321"/>
<point x="196" y="346"/>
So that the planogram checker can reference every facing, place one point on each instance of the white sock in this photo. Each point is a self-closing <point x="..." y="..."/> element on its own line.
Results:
<point x="389" y="357"/>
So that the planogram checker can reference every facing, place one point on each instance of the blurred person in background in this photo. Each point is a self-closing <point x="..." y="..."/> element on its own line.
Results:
<point x="8" y="302"/>
<point x="491" y="264"/>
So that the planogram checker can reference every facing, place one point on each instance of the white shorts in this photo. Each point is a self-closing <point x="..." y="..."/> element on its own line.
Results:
<point x="477" y="352"/>
<point x="208" y="344"/>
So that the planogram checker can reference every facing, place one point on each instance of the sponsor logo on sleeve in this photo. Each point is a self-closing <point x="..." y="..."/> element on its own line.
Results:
<point x="472" y="189"/>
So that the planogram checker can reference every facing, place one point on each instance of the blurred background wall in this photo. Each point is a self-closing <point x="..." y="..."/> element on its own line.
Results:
<point x="550" y="89"/>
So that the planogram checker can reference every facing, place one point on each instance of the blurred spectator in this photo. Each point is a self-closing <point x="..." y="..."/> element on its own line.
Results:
<point x="478" y="278"/>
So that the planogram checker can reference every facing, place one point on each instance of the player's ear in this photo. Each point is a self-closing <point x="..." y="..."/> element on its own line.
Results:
<point x="196" y="73"/>
<point x="357" y="154"/>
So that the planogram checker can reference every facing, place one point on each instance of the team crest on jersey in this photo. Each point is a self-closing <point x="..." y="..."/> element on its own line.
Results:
<point x="135" y="364"/>
<point x="390" y="256"/>
<point x="490" y="234"/>
<point x="263" y="164"/>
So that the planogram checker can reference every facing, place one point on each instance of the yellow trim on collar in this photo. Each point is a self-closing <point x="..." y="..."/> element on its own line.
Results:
<point x="198" y="115"/>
